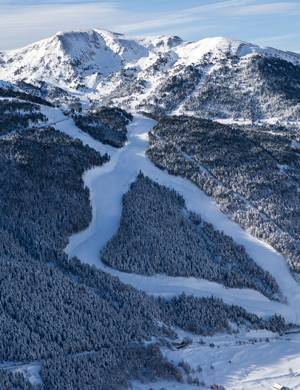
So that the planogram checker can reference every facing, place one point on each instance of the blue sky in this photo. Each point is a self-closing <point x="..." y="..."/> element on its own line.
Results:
<point x="266" y="22"/>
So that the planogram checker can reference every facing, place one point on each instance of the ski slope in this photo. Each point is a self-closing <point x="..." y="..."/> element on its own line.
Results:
<point x="251" y="365"/>
<point x="108" y="183"/>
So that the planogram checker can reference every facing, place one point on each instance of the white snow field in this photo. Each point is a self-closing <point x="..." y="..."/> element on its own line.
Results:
<point x="237" y="362"/>
<point x="107" y="184"/>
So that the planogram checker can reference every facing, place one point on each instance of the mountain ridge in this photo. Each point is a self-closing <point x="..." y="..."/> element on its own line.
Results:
<point x="216" y="78"/>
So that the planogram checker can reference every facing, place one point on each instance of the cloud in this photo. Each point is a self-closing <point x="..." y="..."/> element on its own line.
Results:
<point x="214" y="10"/>
<point x="42" y="2"/>
<point x="277" y="38"/>
<point x="284" y="41"/>
<point x="22" y="24"/>
<point x="267" y="9"/>
<point x="180" y="17"/>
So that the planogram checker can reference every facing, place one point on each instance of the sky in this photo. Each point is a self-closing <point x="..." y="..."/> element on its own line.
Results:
<point x="265" y="22"/>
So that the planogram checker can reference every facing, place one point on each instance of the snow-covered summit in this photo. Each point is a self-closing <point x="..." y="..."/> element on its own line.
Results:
<point x="161" y="42"/>
<point x="213" y="77"/>
<point x="69" y="55"/>
<point x="62" y="57"/>
<point x="216" y="46"/>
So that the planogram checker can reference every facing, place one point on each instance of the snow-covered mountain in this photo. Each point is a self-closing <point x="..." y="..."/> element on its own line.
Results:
<point x="92" y="297"/>
<point x="217" y="77"/>
<point x="85" y="56"/>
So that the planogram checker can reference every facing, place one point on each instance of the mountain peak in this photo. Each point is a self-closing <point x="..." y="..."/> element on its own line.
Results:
<point x="218" y="46"/>
<point x="94" y="59"/>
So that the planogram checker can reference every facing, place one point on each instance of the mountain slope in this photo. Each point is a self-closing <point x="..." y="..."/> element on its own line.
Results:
<point x="90" y="306"/>
<point x="216" y="78"/>
<point x="68" y="58"/>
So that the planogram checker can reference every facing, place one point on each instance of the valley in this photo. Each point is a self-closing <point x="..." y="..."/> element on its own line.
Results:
<point x="150" y="214"/>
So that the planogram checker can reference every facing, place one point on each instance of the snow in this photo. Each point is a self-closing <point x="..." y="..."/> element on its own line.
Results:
<point x="182" y="109"/>
<point x="192" y="52"/>
<point x="92" y="57"/>
<point x="66" y="125"/>
<point x="95" y="56"/>
<point x="252" y="365"/>
<point x="130" y="71"/>
<point x="65" y="56"/>
<point x="238" y="362"/>
<point x="108" y="183"/>
<point x="160" y="42"/>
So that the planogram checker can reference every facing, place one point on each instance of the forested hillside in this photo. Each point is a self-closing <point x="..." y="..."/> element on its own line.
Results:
<point x="83" y="326"/>
<point x="252" y="172"/>
<point x="110" y="274"/>
<point x="158" y="234"/>
<point x="107" y="125"/>
<point x="53" y="309"/>
<point x="18" y="114"/>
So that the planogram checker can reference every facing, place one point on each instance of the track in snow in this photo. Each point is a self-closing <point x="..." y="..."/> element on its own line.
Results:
<point x="108" y="183"/>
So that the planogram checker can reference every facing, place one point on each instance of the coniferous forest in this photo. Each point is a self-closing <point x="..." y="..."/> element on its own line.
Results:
<point x="86" y="328"/>
<point x="115" y="154"/>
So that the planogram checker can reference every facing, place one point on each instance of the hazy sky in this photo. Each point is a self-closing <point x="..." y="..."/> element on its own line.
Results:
<point x="266" y="22"/>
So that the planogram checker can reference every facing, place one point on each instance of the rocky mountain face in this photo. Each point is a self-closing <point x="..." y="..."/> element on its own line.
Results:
<point x="215" y="78"/>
